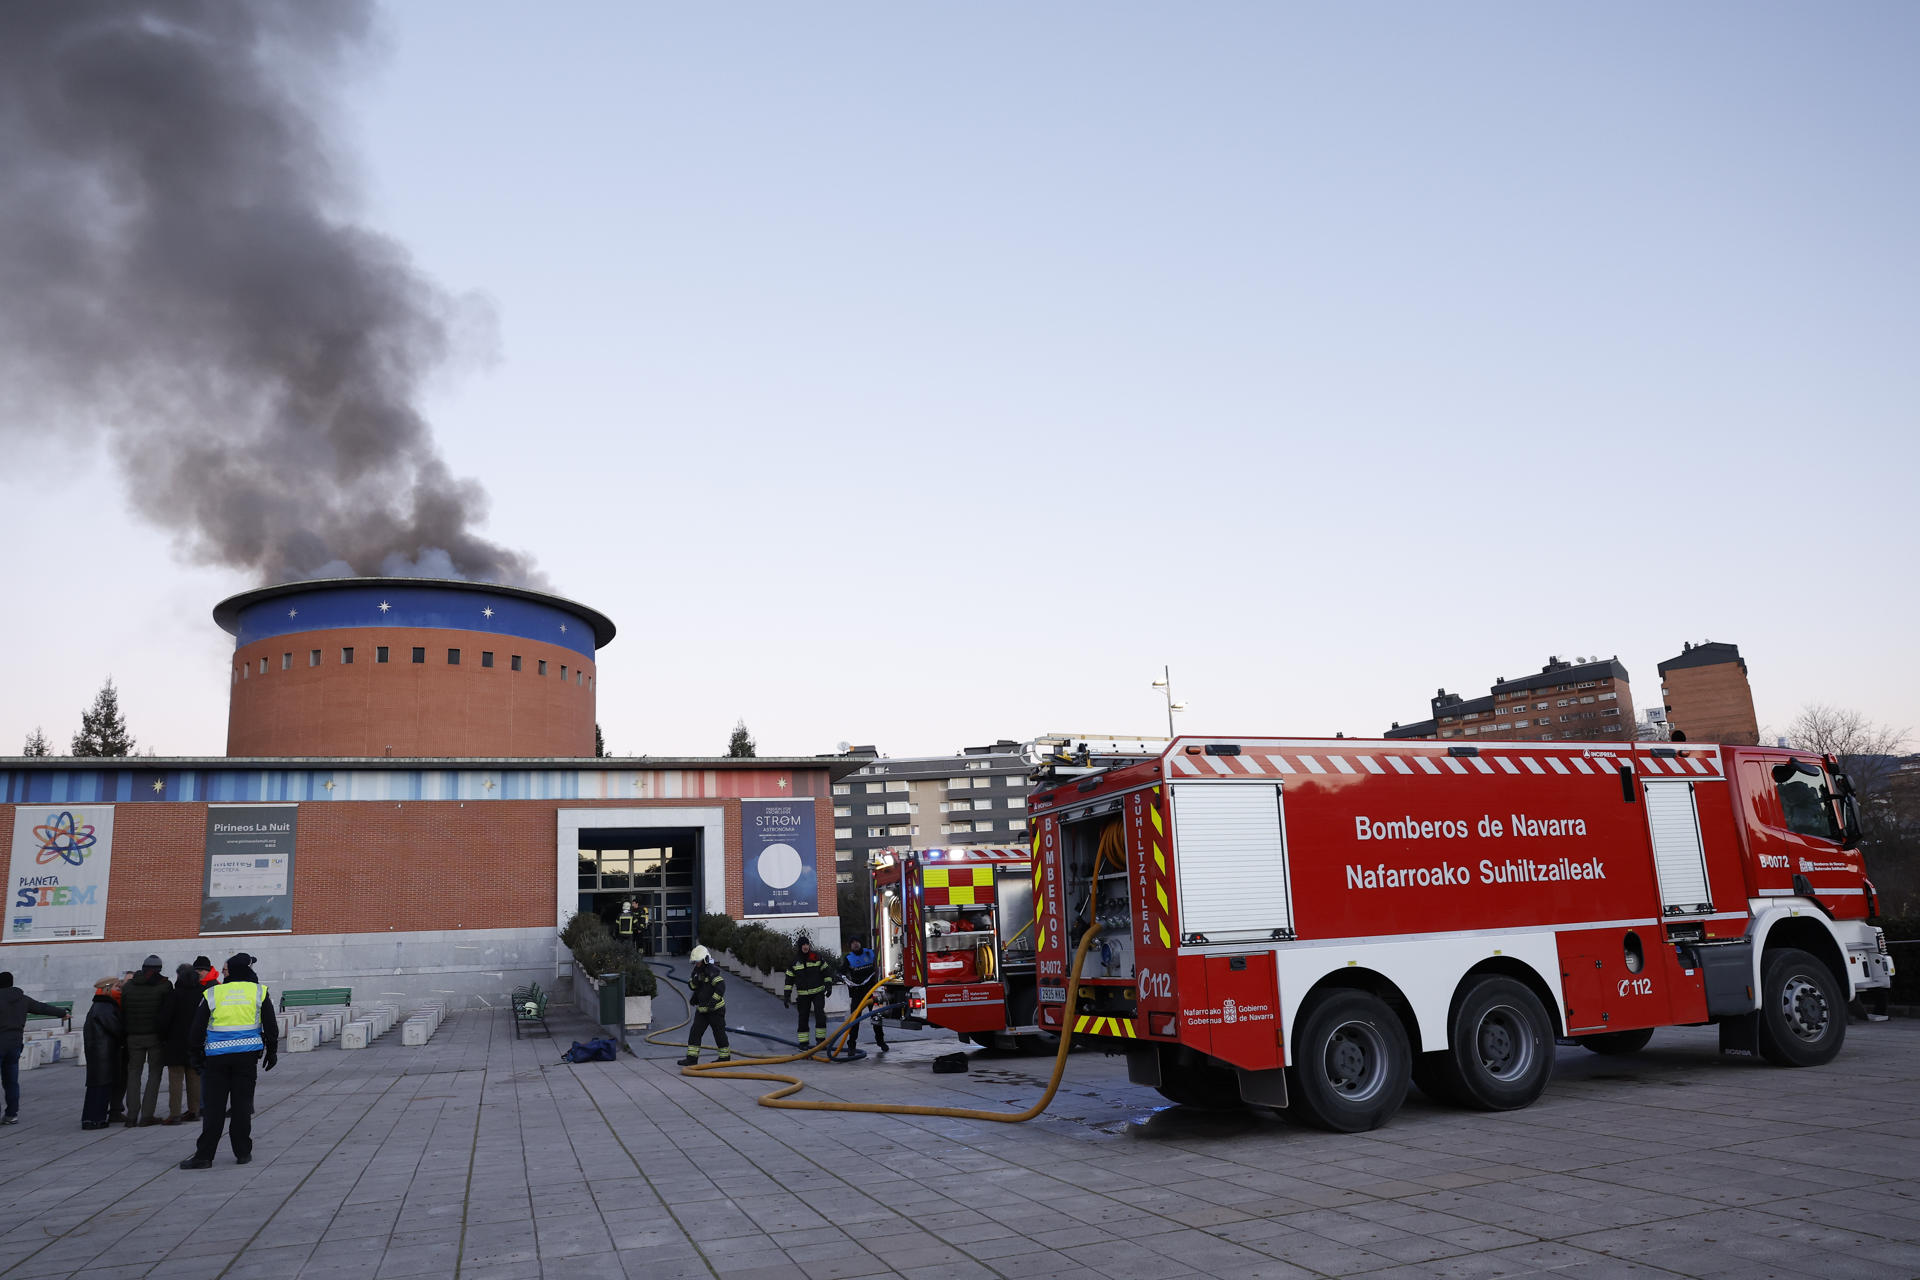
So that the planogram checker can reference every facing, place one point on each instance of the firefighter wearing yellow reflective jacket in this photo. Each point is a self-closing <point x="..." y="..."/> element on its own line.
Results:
<point x="807" y="981"/>
<point x="233" y="1029"/>
<point x="709" y="1001"/>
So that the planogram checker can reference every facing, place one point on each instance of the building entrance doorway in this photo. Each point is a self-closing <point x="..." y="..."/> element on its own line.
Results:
<point x="659" y="867"/>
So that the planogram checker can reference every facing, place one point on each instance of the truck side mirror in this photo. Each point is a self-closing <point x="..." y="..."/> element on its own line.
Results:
<point x="1850" y="821"/>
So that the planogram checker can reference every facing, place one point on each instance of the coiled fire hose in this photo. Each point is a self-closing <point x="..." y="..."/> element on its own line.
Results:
<point x="782" y="1099"/>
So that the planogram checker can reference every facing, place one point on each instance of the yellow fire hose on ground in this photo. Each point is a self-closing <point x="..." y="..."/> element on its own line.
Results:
<point x="782" y="1099"/>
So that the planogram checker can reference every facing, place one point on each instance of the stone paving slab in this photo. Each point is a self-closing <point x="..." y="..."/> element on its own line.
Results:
<point x="480" y="1156"/>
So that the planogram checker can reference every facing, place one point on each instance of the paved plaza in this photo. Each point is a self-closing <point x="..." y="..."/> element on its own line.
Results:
<point x="481" y="1156"/>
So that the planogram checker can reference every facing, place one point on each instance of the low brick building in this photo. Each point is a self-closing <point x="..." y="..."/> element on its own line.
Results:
<point x="397" y="877"/>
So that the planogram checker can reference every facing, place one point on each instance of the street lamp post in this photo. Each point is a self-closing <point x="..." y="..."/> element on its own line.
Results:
<point x="1165" y="685"/>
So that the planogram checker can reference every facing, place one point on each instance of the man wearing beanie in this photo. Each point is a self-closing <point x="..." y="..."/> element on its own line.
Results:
<point x="146" y="1007"/>
<point x="233" y="1029"/>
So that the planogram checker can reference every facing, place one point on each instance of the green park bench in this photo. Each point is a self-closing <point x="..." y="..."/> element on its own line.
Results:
<point x="529" y="1006"/>
<point x="58" y="1004"/>
<point x="315" y="998"/>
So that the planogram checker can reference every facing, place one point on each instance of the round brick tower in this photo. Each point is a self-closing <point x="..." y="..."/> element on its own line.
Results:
<point x="410" y="667"/>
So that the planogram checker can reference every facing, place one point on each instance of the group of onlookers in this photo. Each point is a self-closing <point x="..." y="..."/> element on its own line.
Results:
<point x="139" y="1024"/>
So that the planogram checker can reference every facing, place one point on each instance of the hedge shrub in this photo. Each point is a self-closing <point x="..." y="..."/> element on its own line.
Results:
<point x="717" y="931"/>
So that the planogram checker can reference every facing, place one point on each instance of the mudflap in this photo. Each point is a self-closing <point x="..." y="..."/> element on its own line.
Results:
<point x="1740" y="1036"/>
<point x="1143" y="1065"/>
<point x="1263" y="1088"/>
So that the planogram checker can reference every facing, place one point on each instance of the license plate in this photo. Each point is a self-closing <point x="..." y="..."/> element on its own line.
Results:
<point x="1053" y="995"/>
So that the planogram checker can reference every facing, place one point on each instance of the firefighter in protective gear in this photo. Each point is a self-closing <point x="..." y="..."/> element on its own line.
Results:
<point x="860" y="970"/>
<point x="807" y="981"/>
<point x="709" y="1001"/>
<point x="233" y="1029"/>
<point x="626" y="921"/>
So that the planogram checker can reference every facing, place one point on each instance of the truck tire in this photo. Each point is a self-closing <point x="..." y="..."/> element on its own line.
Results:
<point x="1803" y="1012"/>
<point x="1211" y="1088"/>
<point x="1616" y="1043"/>
<point x="1352" y="1064"/>
<point x="1500" y="1053"/>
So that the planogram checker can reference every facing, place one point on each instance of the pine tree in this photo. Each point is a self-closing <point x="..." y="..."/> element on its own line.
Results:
<point x="36" y="744"/>
<point x="103" y="730"/>
<point x="599" y="743"/>
<point x="740" y="745"/>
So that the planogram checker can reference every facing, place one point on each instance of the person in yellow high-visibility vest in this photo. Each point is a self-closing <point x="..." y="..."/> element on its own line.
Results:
<point x="234" y="1028"/>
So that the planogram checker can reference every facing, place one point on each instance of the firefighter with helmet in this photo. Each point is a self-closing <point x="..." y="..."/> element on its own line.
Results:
<point x="626" y="921"/>
<point x="807" y="981"/>
<point x="709" y="1000"/>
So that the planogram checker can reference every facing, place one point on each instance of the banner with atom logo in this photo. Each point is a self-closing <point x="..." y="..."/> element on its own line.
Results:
<point x="57" y="877"/>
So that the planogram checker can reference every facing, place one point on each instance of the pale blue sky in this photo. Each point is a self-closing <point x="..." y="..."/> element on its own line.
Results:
<point x="1329" y="355"/>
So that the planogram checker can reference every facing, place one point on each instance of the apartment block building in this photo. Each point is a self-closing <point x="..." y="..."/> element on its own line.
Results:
<point x="978" y="796"/>
<point x="1586" y="699"/>
<point x="1707" y="696"/>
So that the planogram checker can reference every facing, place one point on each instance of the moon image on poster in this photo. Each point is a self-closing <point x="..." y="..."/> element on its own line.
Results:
<point x="779" y="866"/>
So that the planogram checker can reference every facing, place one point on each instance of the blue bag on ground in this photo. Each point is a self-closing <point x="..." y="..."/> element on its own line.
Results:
<point x="592" y="1051"/>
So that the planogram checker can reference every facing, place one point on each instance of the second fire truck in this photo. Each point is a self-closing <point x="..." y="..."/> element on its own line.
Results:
<point x="1318" y="924"/>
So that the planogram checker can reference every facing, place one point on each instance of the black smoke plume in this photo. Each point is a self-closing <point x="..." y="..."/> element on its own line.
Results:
<point x="180" y="268"/>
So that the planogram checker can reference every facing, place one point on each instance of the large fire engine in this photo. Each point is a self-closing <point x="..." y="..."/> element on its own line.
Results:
<point x="954" y="929"/>
<point x="1316" y="924"/>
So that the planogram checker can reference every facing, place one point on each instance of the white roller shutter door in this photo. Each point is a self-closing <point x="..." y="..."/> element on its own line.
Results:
<point x="1231" y="860"/>
<point x="1677" y="853"/>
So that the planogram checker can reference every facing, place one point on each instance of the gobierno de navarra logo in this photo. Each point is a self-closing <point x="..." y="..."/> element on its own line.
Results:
<point x="62" y="837"/>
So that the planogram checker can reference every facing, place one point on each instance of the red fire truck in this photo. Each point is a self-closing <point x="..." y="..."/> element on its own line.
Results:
<point x="956" y="928"/>
<point x="1316" y="924"/>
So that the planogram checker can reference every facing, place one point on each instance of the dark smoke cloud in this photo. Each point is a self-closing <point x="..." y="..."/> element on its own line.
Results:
<point x="179" y="267"/>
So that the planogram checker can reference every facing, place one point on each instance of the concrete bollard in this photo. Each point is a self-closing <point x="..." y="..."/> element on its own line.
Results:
<point x="356" y="1035"/>
<point x="302" y="1038"/>
<point x="415" y="1032"/>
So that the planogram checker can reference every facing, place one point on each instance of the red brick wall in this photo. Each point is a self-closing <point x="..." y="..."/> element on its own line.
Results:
<point x="1711" y="704"/>
<point x="372" y="866"/>
<point x="401" y="708"/>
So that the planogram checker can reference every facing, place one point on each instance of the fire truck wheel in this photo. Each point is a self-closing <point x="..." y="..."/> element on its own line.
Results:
<point x="1615" y="1043"/>
<point x="1352" y="1064"/>
<point x="1501" y="1053"/>
<point x="1803" y="1015"/>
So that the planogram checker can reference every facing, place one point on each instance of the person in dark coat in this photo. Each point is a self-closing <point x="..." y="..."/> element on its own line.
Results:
<point x="182" y="1075"/>
<point x="15" y="1005"/>
<point x="860" y="970"/>
<point x="807" y="981"/>
<point x="104" y="1036"/>
<point x="146" y="1008"/>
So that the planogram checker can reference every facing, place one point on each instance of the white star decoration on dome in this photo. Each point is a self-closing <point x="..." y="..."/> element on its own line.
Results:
<point x="293" y="613"/>
<point x="384" y="606"/>
<point x="487" y="612"/>
<point x="159" y="785"/>
<point x="563" y="628"/>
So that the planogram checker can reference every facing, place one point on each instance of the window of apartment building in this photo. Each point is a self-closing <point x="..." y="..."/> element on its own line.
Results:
<point x="513" y="663"/>
<point x="843" y="833"/>
<point x="1611" y="711"/>
<point x="959" y="784"/>
<point x="897" y="785"/>
<point x="979" y="764"/>
<point x="1588" y="698"/>
<point x="346" y="657"/>
<point x="1502" y="725"/>
<point x="1585" y="684"/>
<point x="1564" y="719"/>
<point x="1446" y="733"/>
<point x="1539" y="706"/>
<point x="1561" y="703"/>
<point x="842" y="789"/>
<point x="1016" y="802"/>
<point x="898" y="831"/>
<point x="1611" y="728"/>
<point x="1546" y="737"/>
<point x="984" y="802"/>
<point x="1016" y="824"/>
<point x="1471" y="732"/>
<point x="843" y="811"/>
<point x="543" y="666"/>
<point x="1608" y="697"/>
<point x="983" y="826"/>
<point x="958" y="806"/>
<point x="897" y="806"/>
<point x="243" y="671"/>
<point x="876" y="833"/>
<point x="946" y="828"/>
<point x="286" y="661"/>
<point x="419" y="654"/>
<point x="313" y="657"/>
<point x="962" y="828"/>
<point x="453" y="657"/>
<point x="876" y="810"/>
<point x="1543" y="722"/>
<point x="486" y="657"/>
<point x="380" y="653"/>
<point x="563" y="673"/>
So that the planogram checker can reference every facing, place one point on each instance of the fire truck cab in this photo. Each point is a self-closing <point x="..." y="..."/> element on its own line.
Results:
<point x="1318" y="924"/>
<point x="954" y="932"/>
